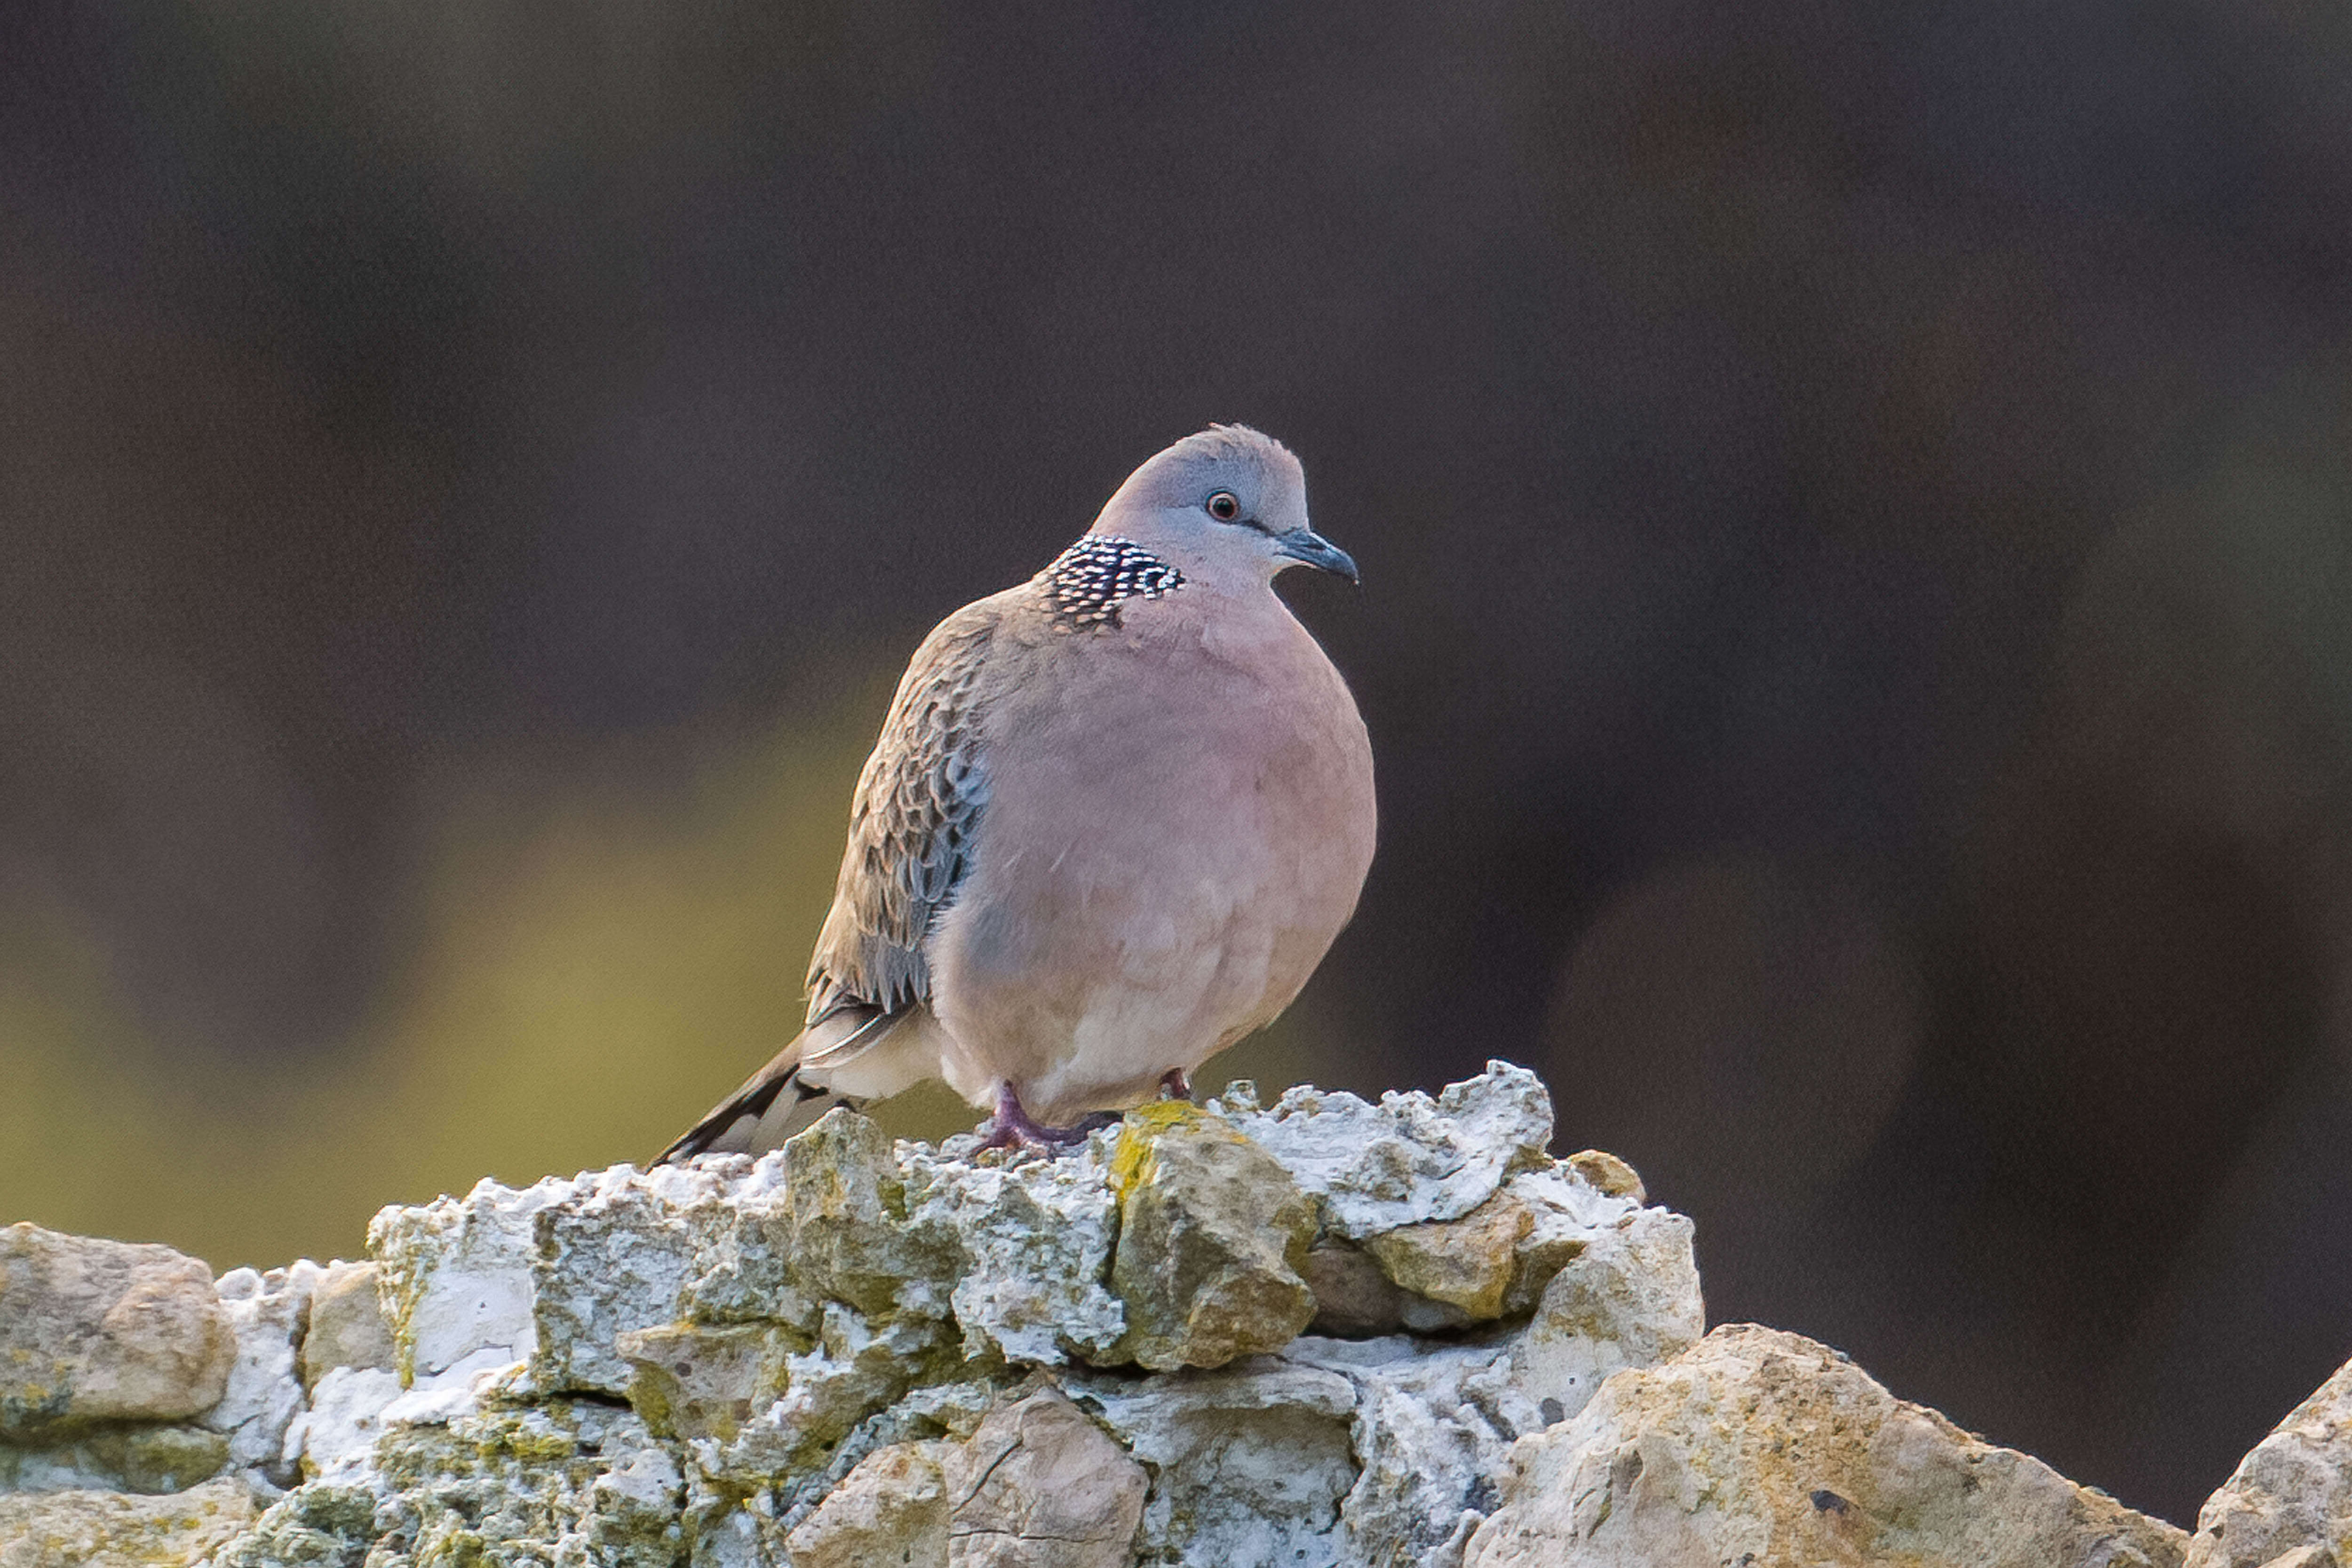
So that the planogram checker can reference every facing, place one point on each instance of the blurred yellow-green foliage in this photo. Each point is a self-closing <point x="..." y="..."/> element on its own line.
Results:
<point x="586" y="972"/>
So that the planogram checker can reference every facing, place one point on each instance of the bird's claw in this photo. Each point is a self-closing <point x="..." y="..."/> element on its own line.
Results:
<point x="1013" y="1128"/>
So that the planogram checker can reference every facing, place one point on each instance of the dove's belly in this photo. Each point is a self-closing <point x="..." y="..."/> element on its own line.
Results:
<point x="1190" y="847"/>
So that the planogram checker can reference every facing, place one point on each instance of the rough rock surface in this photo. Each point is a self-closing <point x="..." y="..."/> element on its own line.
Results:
<point x="119" y="1529"/>
<point x="560" y="1481"/>
<point x="1371" y="1168"/>
<point x="346" y="1326"/>
<point x="2293" y="1493"/>
<point x="705" y="1380"/>
<point x="1212" y="1235"/>
<point x="894" y="1507"/>
<point x="1764" y="1448"/>
<point x="153" y="1458"/>
<point x="1037" y="1483"/>
<point x="854" y="1351"/>
<point x="103" y="1330"/>
<point x="1327" y="1333"/>
<point x="263" y="1395"/>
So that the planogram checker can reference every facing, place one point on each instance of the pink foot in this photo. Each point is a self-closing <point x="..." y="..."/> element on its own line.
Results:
<point x="1012" y="1128"/>
<point x="1174" y="1085"/>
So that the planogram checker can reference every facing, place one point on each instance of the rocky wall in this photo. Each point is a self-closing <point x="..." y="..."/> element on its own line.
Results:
<point x="1316" y="1332"/>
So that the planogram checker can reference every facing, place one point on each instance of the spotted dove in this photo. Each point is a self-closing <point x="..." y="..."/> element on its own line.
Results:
<point x="1116" y="817"/>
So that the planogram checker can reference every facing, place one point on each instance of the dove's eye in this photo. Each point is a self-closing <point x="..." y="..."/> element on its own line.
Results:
<point x="1224" y="506"/>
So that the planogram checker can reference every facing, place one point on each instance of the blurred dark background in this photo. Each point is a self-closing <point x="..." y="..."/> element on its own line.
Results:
<point x="1857" y="626"/>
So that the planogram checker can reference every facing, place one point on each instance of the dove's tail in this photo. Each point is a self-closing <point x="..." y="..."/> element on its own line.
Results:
<point x="785" y="1096"/>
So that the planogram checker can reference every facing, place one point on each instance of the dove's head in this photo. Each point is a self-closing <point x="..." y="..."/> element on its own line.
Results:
<point x="1227" y="507"/>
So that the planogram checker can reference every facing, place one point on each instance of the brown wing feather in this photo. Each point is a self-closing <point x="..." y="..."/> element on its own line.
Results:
<point x="918" y="803"/>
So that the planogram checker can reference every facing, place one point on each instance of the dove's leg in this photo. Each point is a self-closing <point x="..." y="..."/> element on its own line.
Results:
<point x="1012" y="1127"/>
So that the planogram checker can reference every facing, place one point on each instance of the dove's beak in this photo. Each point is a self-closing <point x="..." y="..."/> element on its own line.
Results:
<point x="1309" y="548"/>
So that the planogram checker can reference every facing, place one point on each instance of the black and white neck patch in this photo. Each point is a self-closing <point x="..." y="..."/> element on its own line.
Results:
<point x="1091" y="578"/>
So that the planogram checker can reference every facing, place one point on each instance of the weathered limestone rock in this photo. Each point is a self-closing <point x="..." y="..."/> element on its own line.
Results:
<point x="1430" y="1427"/>
<point x="321" y="1524"/>
<point x="546" y="1278"/>
<point x="746" y="1498"/>
<point x="2293" y="1492"/>
<point x="2304" y="1557"/>
<point x="1371" y="1168"/>
<point x="457" y="1280"/>
<point x="1629" y="1298"/>
<point x="337" y="1434"/>
<point x="1605" y="1173"/>
<point x="851" y="1352"/>
<point x="118" y="1530"/>
<point x="559" y="1481"/>
<point x="263" y="1395"/>
<point x="893" y="1507"/>
<point x="117" y="1458"/>
<point x="1497" y="1260"/>
<point x="745" y="1253"/>
<point x="857" y="1368"/>
<point x="699" y="1380"/>
<point x="1213" y="1235"/>
<point x="850" y="1239"/>
<point x="104" y="1331"/>
<point x="779" y="1323"/>
<point x="1032" y="1240"/>
<point x="1036" y="1486"/>
<point x="611" y="1257"/>
<point x="1250" y="1462"/>
<point x="1465" y="1263"/>
<point x="1432" y="1424"/>
<point x="1761" y="1446"/>
<point x="1354" y="1300"/>
<point x="347" y="1326"/>
<point x="1040" y="1486"/>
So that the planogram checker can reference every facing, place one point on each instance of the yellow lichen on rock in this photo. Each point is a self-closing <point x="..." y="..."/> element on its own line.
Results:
<point x="118" y="1530"/>
<point x="695" y="1380"/>
<point x="1213" y="1243"/>
<point x="1466" y="1263"/>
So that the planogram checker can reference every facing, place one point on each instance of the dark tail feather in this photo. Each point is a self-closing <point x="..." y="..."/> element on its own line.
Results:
<point x="776" y="1102"/>
<point x="773" y="1105"/>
